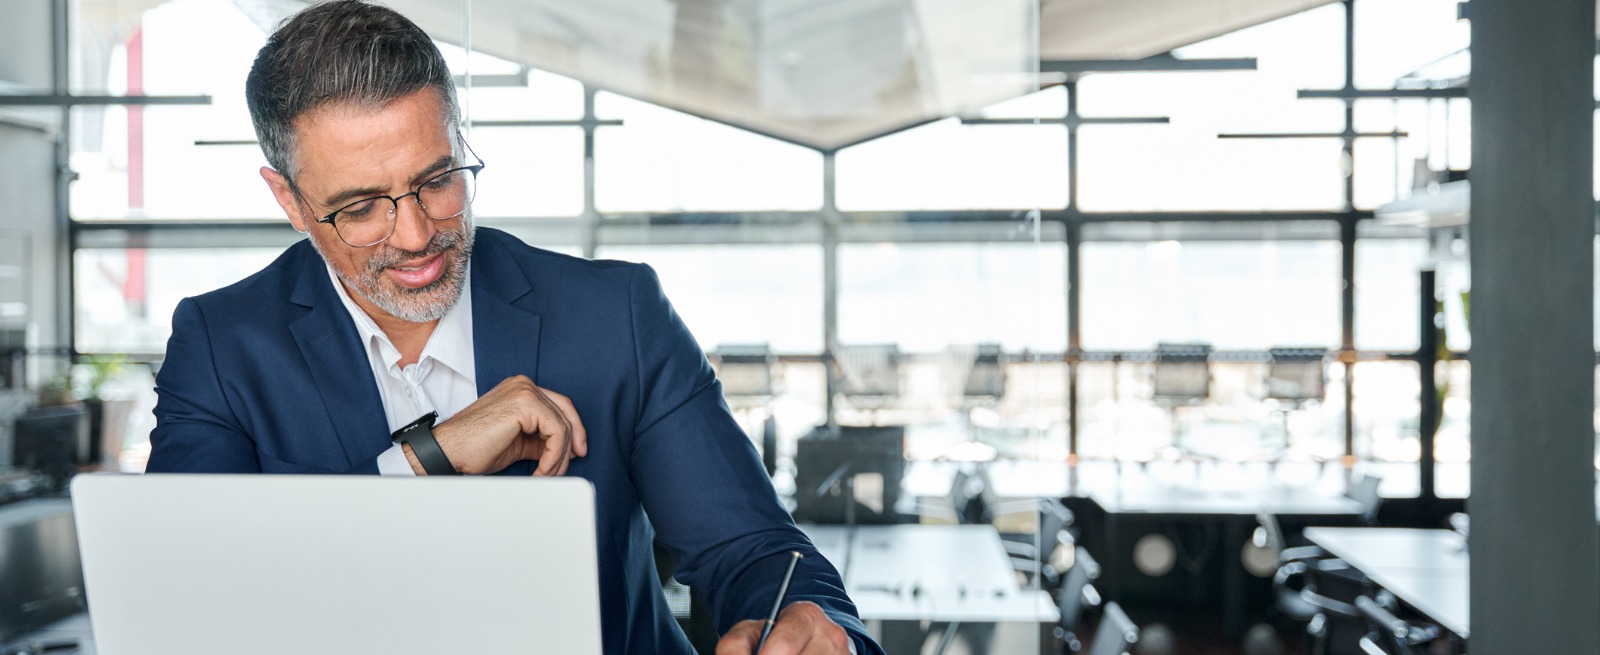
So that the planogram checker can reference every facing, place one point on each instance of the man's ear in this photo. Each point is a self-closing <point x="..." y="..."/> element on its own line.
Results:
<point x="292" y="207"/>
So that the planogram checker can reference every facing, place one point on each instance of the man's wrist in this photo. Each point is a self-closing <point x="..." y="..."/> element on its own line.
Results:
<point x="411" y="458"/>
<point x="418" y="441"/>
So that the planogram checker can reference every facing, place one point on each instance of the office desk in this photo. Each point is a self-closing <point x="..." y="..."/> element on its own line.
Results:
<point x="908" y="577"/>
<point x="1178" y="500"/>
<point x="1425" y="569"/>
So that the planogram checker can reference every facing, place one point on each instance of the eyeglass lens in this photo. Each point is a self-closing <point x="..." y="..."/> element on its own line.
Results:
<point x="367" y="222"/>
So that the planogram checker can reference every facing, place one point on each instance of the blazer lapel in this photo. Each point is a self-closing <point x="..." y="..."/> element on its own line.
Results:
<point x="332" y="349"/>
<point x="505" y="327"/>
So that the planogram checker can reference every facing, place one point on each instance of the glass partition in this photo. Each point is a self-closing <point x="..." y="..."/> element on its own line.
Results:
<point x="883" y="222"/>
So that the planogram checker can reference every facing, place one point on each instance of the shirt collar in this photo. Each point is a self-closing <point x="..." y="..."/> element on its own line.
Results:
<point x="450" y="344"/>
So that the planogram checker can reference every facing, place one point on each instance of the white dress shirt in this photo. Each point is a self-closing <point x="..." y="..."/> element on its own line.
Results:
<point x="443" y="380"/>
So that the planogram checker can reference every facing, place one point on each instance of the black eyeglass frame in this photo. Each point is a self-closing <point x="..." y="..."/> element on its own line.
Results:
<point x="328" y="219"/>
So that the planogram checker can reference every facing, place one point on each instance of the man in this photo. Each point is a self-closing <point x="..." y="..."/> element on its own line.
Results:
<point x="324" y="361"/>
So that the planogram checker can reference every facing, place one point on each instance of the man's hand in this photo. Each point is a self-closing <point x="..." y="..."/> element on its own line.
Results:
<point x="802" y="629"/>
<point x="515" y="421"/>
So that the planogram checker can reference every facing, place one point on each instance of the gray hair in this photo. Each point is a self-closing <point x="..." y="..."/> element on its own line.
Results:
<point x="343" y="51"/>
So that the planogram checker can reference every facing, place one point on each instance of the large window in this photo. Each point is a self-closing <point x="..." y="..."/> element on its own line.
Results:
<point x="935" y="231"/>
<point x="1231" y="295"/>
<point x="125" y="298"/>
<point x="926" y="297"/>
<point x="740" y="294"/>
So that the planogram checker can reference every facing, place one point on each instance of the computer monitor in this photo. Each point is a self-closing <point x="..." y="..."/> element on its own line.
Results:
<point x="43" y="582"/>
<point x="849" y="474"/>
<point x="13" y="357"/>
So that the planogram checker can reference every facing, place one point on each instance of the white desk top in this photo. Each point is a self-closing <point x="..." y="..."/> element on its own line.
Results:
<point x="1244" y="502"/>
<point x="1427" y="569"/>
<point x="1440" y="552"/>
<point x="930" y="572"/>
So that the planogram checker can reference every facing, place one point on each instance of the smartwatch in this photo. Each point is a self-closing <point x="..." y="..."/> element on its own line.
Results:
<point x="419" y="435"/>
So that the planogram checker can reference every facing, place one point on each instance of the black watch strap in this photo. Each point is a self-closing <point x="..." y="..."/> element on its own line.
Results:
<point x="419" y="435"/>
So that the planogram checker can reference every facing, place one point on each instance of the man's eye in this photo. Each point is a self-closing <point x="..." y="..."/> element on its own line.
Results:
<point x="359" y="211"/>
<point x="441" y="182"/>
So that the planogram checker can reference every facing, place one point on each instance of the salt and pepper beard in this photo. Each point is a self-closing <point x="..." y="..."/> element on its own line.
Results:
<point x="423" y="304"/>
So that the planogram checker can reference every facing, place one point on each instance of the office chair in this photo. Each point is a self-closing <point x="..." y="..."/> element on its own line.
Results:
<point x="1269" y="535"/>
<point x="870" y="375"/>
<point x="1182" y="377"/>
<point x="974" y="502"/>
<point x="1075" y="597"/>
<point x="1288" y="580"/>
<point x="1332" y="587"/>
<point x="745" y="371"/>
<point x="1364" y="490"/>
<point x="1389" y="634"/>
<point x="1295" y="377"/>
<point x="983" y="378"/>
<point x="1116" y="633"/>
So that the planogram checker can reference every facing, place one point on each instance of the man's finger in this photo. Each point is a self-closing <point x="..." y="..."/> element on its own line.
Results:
<point x="741" y="640"/>
<point x="558" y="441"/>
<point x="580" y="437"/>
<point x="537" y="448"/>
<point x="790" y="636"/>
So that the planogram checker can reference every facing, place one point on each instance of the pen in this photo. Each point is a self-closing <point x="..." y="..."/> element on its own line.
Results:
<point x="783" y="590"/>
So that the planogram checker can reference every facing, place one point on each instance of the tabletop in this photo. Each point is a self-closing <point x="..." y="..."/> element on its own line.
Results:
<point x="930" y="572"/>
<point x="1427" y="569"/>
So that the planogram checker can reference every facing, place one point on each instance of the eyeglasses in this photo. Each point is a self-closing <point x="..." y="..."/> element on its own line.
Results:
<point x="366" y="222"/>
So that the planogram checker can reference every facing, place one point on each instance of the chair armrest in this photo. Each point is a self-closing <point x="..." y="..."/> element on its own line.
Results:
<point x="1301" y="553"/>
<point x="1287" y="572"/>
<point x="1091" y="596"/>
<point x="1329" y="605"/>
<point x="1369" y="648"/>
<point x="1018" y="549"/>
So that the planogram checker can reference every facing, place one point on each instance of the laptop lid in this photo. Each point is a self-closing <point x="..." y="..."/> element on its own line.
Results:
<point x="247" y="564"/>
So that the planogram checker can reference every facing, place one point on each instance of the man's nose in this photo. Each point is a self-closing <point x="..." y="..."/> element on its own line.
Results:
<point x="412" y="227"/>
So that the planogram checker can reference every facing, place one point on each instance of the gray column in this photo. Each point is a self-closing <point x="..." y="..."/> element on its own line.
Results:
<point x="1535" y="579"/>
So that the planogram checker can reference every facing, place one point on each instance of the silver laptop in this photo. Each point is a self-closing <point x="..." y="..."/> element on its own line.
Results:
<point x="180" y="564"/>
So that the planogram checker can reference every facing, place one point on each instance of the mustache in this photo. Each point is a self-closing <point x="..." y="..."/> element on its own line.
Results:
<point x="391" y="256"/>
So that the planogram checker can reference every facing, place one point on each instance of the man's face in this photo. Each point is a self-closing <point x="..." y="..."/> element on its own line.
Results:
<point x="346" y="153"/>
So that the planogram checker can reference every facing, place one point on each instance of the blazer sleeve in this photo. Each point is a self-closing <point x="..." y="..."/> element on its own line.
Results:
<point x="702" y="484"/>
<point x="197" y="430"/>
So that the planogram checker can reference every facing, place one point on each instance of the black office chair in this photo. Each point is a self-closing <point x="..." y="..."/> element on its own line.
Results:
<point x="1116" y="633"/>
<point x="1076" y="596"/>
<point x="1269" y="535"/>
<point x="1391" y="635"/>
<point x="1181" y="377"/>
<point x="1295" y="377"/>
<point x="1332" y="587"/>
<point x="869" y="375"/>
<point x="1288" y="580"/>
<point x="976" y="374"/>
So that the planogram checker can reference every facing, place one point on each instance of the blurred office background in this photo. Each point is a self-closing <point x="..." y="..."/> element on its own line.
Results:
<point x="1076" y="254"/>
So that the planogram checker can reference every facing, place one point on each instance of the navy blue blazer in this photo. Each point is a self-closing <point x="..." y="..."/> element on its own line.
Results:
<point x="268" y="375"/>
